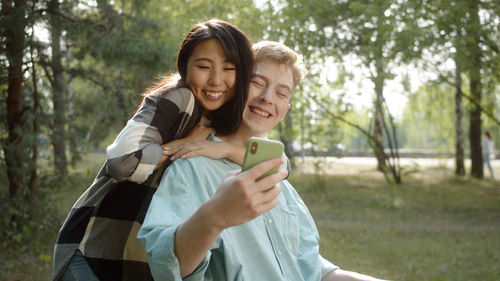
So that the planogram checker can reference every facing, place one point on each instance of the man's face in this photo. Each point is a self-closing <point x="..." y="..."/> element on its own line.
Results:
<point x="269" y="94"/>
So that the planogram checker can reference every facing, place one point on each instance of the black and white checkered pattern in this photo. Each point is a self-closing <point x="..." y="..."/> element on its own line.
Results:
<point x="104" y="222"/>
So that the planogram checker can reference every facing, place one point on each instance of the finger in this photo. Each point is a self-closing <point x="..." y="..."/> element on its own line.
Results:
<point x="270" y="199"/>
<point x="193" y="154"/>
<point x="271" y="193"/>
<point x="170" y="150"/>
<point x="182" y="152"/>
<point x="166" y="151"/>
<point x="261" y="168"/>
<point x="176" y="155"/>
<point x="271" y="180"/>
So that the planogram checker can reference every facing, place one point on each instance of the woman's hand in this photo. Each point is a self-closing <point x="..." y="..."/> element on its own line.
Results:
<point x="214" y="150"/>
<point x="199" y="132"/>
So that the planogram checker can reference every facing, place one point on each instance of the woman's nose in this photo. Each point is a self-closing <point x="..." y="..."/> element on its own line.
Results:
<point x="215" y="77"/>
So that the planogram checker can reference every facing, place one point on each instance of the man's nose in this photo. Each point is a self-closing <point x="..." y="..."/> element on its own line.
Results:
<point x="266" y="95"/>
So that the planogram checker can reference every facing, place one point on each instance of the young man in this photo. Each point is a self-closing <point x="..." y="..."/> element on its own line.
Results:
<point x="198" y="228"/>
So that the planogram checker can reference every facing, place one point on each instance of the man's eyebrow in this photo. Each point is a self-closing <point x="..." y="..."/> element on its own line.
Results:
<point x="280" y="85"/>
<point x="256" y="75"/>
<point x="285" y="86"/>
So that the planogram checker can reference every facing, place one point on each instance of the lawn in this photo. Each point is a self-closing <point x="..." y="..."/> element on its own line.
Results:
<point x="428" y="228"/>
<point x="425" y="229"/>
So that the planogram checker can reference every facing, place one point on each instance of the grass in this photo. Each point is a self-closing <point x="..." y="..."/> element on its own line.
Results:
<point x="28" y="255"/>
<point x="432" y="227"/>
<point x="425" y="229"/>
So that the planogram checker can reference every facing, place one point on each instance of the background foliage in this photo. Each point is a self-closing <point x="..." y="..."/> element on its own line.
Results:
<point x="72" y="73"/>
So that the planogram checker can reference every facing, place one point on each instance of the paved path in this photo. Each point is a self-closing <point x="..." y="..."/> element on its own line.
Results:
<point x="367" y="166"/>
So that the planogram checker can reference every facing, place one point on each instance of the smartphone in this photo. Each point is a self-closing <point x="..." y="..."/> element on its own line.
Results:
<point x="259" y="150"/>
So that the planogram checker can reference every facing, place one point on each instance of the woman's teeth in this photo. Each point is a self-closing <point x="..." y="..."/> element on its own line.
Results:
<point x="214" y="95"/>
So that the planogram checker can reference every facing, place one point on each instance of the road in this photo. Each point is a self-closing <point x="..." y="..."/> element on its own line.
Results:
<point x="367" y="166"/>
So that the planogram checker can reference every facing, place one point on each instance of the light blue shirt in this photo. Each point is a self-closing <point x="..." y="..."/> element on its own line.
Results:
<point x="281" y="244"/>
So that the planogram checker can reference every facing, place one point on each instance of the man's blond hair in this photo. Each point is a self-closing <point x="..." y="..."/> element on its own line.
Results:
<point x="279" y="53"/>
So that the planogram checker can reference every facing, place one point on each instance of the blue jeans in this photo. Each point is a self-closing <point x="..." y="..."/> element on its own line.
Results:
<point x="487" y="160"/>
<point x="78" y="269"/>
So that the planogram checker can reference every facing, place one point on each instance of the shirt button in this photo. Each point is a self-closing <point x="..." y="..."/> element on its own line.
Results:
<point x="279" y="253"/>
<point x="270" y="221"/>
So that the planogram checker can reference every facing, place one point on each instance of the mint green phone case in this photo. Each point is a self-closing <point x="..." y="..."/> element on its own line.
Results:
<point x="259" y="150"/>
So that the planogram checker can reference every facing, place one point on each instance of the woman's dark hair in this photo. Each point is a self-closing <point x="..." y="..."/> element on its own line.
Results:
<point x="488" y="134"/>
<point x="238" y="50"/>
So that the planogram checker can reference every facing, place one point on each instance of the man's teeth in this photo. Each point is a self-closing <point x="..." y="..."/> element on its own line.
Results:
<point x="214" y="94"/>
<point x="260" y="112"/>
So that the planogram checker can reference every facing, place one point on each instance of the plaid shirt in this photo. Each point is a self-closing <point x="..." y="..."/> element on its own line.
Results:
<point x="104" y="222"/>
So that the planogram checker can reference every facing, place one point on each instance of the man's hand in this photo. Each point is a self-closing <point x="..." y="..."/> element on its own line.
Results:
<point x="240" y="198"/>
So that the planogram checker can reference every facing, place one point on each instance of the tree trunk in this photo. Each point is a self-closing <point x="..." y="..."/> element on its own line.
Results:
<point x="59" y="117"/>
<point x="286" y="136"/>
<point x="459" y="134"/>
<point x="73" y="144"/>
<point x="378" y="147"/>
<point x="34" y="156"/>
<point x="474" y="66"/>
<point x="15" y="23"/>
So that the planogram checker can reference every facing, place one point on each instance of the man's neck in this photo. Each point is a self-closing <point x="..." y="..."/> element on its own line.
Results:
<point x="239" y="138"/>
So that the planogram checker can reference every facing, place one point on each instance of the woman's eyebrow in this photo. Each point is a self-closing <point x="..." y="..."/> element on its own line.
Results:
<point x="203" y="59"/>
<point x="210" y="60"/>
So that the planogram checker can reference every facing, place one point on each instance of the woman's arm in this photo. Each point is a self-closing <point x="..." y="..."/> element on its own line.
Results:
<point x="136" y="150"/>
<point x="214" y="150"/>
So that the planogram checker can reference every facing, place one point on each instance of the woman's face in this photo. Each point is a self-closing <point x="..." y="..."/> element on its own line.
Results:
<point x="210" y="75"/>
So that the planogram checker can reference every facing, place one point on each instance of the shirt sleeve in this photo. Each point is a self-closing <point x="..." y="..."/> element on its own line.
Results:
<point x="326" y="266"/>
<point x="137" y="149"/>
<point x="176" y="199"/>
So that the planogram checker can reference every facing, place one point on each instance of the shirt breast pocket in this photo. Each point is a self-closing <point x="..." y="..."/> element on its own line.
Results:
<point x="290" y="227"/>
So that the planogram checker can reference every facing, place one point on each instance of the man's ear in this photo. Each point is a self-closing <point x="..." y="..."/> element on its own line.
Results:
<point x="287" y="107"/>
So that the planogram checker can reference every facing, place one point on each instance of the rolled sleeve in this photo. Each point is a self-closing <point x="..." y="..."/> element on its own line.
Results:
<point x="158" y="243"/>
<point x="326" y="266"/>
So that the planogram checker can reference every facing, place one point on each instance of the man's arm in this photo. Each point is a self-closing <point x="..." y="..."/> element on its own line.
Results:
<point x="344" y="275"/>
<point x="238" y="199"/>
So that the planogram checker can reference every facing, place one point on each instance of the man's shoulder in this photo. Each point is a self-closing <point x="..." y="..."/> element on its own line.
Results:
<point x="202" y="164"/>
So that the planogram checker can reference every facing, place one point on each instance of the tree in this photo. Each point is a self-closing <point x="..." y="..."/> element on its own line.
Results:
<point x="474" y="66"/>
<point x="460" y="34"/>
<point x="13" y="27"/>
<point x="57" y="82"/>
<point x="369" y="30"/>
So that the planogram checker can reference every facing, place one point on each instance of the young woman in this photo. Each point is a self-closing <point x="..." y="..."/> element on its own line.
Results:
<point x="98" y="239"/>
<point x="488" y="147"/>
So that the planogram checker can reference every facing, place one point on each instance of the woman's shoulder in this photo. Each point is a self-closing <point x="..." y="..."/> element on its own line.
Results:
<point x="174" y="93"/>
<point x="180" y="96"/>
